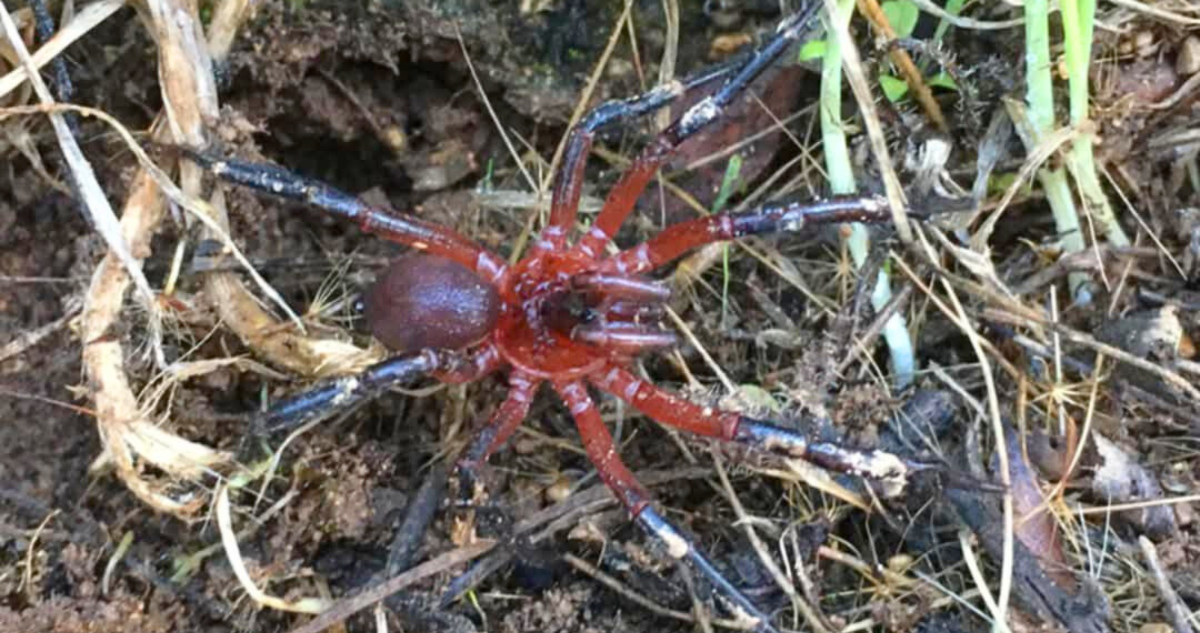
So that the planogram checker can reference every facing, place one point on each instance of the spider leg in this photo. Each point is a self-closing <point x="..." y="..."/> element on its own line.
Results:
<point x="598" y="443"/>
<point x="667" y="408"/>
<point x="622" y="287"/>
<point x="569" y="180"/>
<point x="679" y="238"/>
<point x="483" y="361"/>
<point x="401" y="228"/>
<point x="337" y="393"/>
<point x="629" y="188"/>
<point x="632" y="311"/>
<point x="625" y="338"/>
<point x="504" y="421"/>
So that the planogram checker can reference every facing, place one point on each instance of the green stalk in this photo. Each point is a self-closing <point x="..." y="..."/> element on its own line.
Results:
<point x="833" y="138"/>
<point x="953" y="7"/>
<point x="1040" y="96"/>
<point x="1078" y="20"/>
<point x="841" y="182"/>
<point x="732" y="169"/>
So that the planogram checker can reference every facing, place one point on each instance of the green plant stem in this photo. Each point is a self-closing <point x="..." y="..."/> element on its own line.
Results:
<point x="732" y="169"/>
<point x="841" y="181"/>
<point x="953" y="7"/>
<point x="1040" y="97"/>
<point x="1078" y="20"/>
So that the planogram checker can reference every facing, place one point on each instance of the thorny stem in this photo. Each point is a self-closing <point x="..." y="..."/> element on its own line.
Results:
<point x="841" y="182"/>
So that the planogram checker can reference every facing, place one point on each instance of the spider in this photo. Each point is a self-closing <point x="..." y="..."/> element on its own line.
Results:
<point x="567" y="314"/>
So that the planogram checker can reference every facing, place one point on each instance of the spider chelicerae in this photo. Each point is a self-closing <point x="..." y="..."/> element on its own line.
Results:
<point x="567" y="314"/>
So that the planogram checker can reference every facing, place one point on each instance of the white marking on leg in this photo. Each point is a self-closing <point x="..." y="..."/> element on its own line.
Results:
<point x="611" y="376"/>
<point x="699" y="114"/>
<point x="346" y="388"/>
<point x="488" y="266"/>
<point x="518" y="394"/>
<point x="642" y="254"/>
<point x="677" y="546"/>
<point x="632" y="389"/>
<point x="582" y="402"/>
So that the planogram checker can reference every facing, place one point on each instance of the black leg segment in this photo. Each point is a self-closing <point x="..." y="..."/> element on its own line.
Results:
<point x="336" y="394"/>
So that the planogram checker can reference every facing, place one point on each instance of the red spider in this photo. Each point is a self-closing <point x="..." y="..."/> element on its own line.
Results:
<point x="567" y="314"/>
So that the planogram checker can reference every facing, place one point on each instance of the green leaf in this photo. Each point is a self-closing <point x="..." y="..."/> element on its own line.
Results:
<point x="902" y="15"/>
<point x="732" y="169"/>
<point x="759" y="397"/>
<point x="812" y="49"/>
<point x="999" y="183"/>
<point x="894" y="88"/>
<point x="943" y="80"/>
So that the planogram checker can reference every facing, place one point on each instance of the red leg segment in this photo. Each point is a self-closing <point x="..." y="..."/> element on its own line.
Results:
<point x="505" y="420"/>
<point x="624" y="338"/>
<point x="678" y="239"/>
<point x="672" y="410"/>
<point x="598" y="443"/>
<point x="622" y="287"/>
<point x="632" y="311"/>
<point x="626" y="192"/>
<point x="568" y="187"/>
<point x="483" y="361"/>
<point x="568" y="182"/>
<point x="666" y="407"/>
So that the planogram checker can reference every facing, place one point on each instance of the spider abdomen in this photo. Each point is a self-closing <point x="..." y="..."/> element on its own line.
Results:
<point x="424" y="301"/>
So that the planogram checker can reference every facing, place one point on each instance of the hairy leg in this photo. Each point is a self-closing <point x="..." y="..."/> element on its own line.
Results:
<point x="625" y="338"/>
<point x="335" y="394"/>
<point x="568" y="182"/>
<point x="505" y="420"/>
<point x="675" y="411"/>
<point x="598" y="443"/>
<point x="629" y="188"/>
<point x="401" y="228"/>
<point x="678" y="239"/>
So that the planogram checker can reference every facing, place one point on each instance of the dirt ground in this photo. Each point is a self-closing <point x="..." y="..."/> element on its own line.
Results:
<point x="1094" y="399"/>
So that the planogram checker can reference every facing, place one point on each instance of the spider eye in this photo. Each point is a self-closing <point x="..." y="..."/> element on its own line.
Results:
<point x="358" y="305"/>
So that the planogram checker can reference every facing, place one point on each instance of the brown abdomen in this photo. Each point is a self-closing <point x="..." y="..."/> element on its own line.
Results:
<point x="425" y="301"/>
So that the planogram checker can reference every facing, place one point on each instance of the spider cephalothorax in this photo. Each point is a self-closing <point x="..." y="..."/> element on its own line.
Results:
<point x="562" y="320"/>
<point x="568" y="314"/>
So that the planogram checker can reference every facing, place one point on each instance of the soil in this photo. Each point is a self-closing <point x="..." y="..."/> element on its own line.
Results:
<point x="378" y="99"/>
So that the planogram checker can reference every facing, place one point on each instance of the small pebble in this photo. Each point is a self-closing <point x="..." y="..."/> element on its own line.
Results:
<point x="1145" y="44"/>
<point x="725" y="45"/>
<point x="559" y="490"/>
<point x="525" y="444"/>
